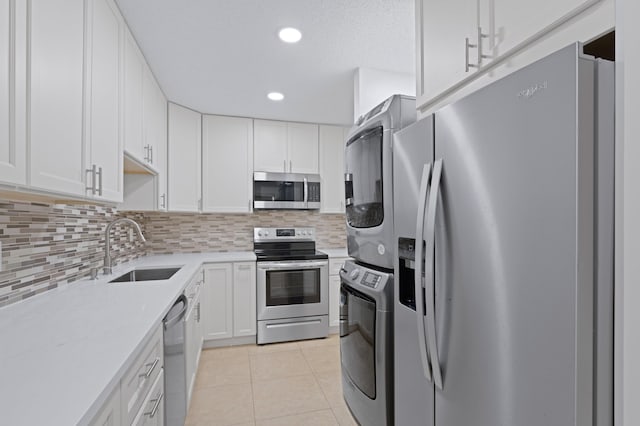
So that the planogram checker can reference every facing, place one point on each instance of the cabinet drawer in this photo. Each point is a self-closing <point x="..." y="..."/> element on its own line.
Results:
<point x="138" y="380"/>
<point x="151" y="412"/>
<point x="335" y="265"/>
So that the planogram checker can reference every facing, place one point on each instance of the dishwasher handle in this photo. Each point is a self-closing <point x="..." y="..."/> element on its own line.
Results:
<point x="170" y="322"/>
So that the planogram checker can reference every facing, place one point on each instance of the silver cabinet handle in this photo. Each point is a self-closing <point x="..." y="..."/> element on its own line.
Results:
<point x="146" y="155"/>
<point x="284" y="165"/>
<point x="155" y="406"/>
<point x="481" y="56"/>
<point x="468" y="46"/>
<point x="419" y="293"/>
<point x="151" y="154"/>
<point x="92" y="171"/>
<point x="198" y="312"/>
<point x="100" y="181"/>
<point x="430" y="273"/>
<point x="164" y="201"/>
<point x="150" y="370"/>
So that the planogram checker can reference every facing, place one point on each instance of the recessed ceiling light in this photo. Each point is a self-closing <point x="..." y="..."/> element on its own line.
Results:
<point x="290" y="35"/>
<point x="275" y="96"/>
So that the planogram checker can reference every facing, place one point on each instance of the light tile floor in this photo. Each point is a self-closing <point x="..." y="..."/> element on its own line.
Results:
<point x="295" y="383"/>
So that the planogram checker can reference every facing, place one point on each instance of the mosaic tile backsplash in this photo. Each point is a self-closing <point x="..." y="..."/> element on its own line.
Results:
<point x="47" y="245"/>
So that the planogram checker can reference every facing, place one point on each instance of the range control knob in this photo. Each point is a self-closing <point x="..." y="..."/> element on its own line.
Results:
<point x="354" y="274"/>
<point x="259" y="233"/>
<point x="266" y="233"/>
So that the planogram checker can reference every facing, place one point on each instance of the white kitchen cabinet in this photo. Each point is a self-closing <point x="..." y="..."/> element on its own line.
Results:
<point x="503" y="35"/>
<point x="217" y="301"/>
<point x="133" y="85"/>
<point x="283" y="147"/>
<point x="227" y="156"/>
<point x="184" y="155"/>
<point x="270" y="146"/>
<point x="152" y="411"/>
<point x="441" y="29"/>
<point x="335" y="264"/>
<point x="156" y="137"/>
<point x="109" y="414"/>
<point x="332" y="144"/>
<point x="13" y="167"/>
<point x="104" y="72"/>
<point x="55" y="107"/>
<point x="302" y="147"/>
<point x="244" y="299"/>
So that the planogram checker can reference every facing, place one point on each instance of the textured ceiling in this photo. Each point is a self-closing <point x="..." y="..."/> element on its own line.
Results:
<point x="223" y="56"/>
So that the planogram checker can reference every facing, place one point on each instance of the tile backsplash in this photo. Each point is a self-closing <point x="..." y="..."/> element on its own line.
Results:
<point x="47" y="245"/>
<point x="193" y="233"/>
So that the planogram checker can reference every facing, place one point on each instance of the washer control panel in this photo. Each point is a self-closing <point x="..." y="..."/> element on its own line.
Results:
<point x="370" y="279"/>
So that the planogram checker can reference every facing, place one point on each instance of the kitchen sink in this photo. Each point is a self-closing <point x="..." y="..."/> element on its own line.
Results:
<point x="146" y="274"/>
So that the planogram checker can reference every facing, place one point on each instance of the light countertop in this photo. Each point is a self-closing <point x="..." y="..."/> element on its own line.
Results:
<point x="63" y="352"/>
<point x="335" y="252"/>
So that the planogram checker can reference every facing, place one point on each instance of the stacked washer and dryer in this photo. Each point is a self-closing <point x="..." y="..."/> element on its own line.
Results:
<point x="366" y="289"/>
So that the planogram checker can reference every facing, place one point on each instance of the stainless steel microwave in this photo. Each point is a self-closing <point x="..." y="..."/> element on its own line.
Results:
<point x="286" y="191"/>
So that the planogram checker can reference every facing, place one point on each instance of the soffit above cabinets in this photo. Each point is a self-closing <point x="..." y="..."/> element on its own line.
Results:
<point x="223" y="57"/>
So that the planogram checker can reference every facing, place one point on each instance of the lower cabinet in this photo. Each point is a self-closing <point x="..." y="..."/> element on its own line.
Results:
<point x="109" y="414"/>
<point x="193" y="332"/>
<point x="138" y="399"/>
<point x="152" y="411"/>
<point x="229" y="300"/>
<point x="335" y="264"/>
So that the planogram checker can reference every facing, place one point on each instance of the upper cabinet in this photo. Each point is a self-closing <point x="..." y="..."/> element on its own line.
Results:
<point x="460" y="41"/>
<point x="13" y="167"/>
<point x="104" y="76"/>
<point x="285" y="147"/>
<point x="133" y="75"/>
<point x="55" y="103"/>
<point x="227" y="157"/>
<point x="184" y="153"/>
<point x="332" y="144"/>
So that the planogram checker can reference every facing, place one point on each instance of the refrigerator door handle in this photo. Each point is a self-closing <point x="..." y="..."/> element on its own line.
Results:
<point x="430" y="273"/>
<point x="419" y="284"/>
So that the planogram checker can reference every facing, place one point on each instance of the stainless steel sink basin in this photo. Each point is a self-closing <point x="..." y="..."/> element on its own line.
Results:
<point x="146" y="274"/>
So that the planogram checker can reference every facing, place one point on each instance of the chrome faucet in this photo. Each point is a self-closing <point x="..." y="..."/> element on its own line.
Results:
<point x="107" y="246"/>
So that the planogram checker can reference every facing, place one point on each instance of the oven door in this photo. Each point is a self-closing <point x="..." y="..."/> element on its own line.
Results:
<point x="290" y="289"/>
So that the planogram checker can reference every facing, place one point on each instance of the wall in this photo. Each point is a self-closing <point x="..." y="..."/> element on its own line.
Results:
<point x="627" y="337"/>
<point x="372" y="86"/>
<point x="47" y="245"/>
<point x="191" y="232"/>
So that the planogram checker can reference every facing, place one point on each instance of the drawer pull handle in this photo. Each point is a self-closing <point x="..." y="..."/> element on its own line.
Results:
<point x="153" y="366"/>
<point x="155" y="406"/>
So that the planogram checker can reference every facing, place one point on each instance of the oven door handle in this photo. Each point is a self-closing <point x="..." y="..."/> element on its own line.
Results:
<point x="291" y="265"/>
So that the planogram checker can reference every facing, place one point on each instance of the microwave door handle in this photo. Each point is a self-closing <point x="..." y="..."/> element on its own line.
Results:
<point x="419" y="293"/>
<point x="305" y="183"/>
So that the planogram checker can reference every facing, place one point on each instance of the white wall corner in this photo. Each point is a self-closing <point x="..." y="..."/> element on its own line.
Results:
<point x="372" y="86"/>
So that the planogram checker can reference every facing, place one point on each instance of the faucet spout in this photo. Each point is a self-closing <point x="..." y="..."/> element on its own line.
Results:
<point x="107" y="242"/>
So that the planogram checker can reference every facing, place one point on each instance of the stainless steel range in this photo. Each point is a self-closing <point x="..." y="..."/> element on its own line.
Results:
<point x="293" y="283"/>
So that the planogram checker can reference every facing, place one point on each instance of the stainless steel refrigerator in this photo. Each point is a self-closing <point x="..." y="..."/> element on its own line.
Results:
<point x="503" y="206"/>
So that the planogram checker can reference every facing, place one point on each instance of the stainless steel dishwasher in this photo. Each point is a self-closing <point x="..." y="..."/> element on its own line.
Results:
<point x="175" y="366"/>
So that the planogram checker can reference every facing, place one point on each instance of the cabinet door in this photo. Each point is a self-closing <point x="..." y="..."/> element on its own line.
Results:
<point x="440" y="45"/>
<point x="270" y="146"/>
<point x="109" y="414"/>
<point x="244" y="299"/>
<point x="104" y="71"/>
<point x="56" y="142"/>
<point x="302" y="148"/>
<point x="334" y="301"/>
<point x="227" y="174"/>
<point x="185" y="136"/>
<point x="152" y="410"/>
<point x="13" y="167"/>
<point x="217" y="301"/>
<point x="160" y="147"/>
<point x="517" y="20"/>
<point x="332" y="143"/>
<point x="133" y="72"/>
<point x="149" y="116"/>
